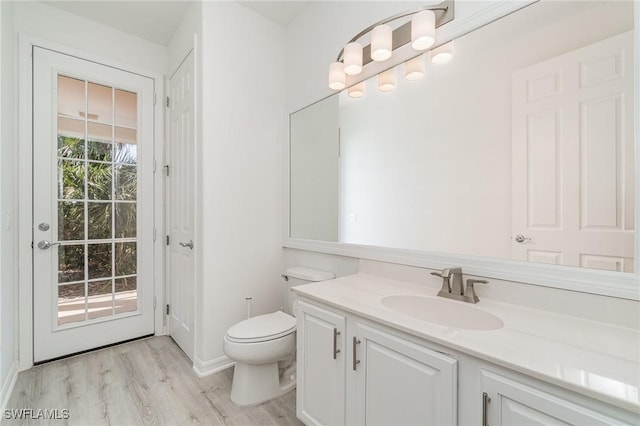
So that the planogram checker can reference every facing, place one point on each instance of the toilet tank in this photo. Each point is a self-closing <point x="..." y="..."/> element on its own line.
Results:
<point x="298" y="275"/>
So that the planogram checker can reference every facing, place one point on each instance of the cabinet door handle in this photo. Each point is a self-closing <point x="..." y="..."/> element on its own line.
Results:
<point x="356" y="361"/>
<point x="336" y="351"/>
<point x="485" y="402"/>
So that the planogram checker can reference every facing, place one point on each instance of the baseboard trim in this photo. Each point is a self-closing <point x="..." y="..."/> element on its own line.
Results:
<point x="206" y="368"/>
<point x="8" y="385"/>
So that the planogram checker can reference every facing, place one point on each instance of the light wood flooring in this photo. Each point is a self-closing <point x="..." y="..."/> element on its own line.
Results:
<point x="145" y="382"/>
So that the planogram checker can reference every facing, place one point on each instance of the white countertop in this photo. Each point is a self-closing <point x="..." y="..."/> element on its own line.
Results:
<point x="595" y="359"/>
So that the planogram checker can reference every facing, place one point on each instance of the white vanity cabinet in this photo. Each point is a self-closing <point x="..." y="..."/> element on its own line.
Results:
<point x="368" y="374"/>
<point x="399" y="382"/>
<point x="321" y="365"/>
<point x="512" y="401"/>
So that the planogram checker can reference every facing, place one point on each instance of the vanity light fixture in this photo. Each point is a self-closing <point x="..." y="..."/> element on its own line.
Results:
<point x="337" y="76"/>
<point x="357" y="90"/>
<point x="381" y="42"/>
<point x="442" y="54"/>
<point x="387" y="80"/>
<point x="353" y="58"/>
<point x="419" y="31"/>
<point x="414" y="69"/>
<point x="423" y="30"/>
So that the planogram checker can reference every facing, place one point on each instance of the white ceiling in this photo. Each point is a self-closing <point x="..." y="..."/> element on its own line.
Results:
<point x="151" y="20"/>
<point x="280" y="12"/>
<point x="157" y="20"/>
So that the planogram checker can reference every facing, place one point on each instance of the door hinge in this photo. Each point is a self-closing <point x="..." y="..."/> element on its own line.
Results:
<point x="154" y="234"/>
<point x="168" y="310"/>
<point x="167" y="240"/>
<point x="154" y="303"/>
<point x="168" y="102"/>
<point x="154" y="98"/>
<point x="166" y="169"/>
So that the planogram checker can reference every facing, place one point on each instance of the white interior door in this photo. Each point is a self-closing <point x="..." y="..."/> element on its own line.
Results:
<point x="573" y="158"/>
<point x="92" y="205"/>
<point x="181" y="206"/>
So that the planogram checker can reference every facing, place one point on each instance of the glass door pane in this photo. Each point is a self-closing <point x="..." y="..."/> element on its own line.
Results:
<point x="97" y="201"/>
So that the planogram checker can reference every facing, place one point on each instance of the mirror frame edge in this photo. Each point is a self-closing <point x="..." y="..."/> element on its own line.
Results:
<point x="591" y="281"/>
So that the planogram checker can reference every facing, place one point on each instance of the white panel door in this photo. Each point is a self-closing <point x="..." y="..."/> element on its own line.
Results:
<point x="320" y="392"/>
<point x="401" y="383"/>
<point x="180" y="153"/>
<point x="92" y="205"/>
<point x="573" y="158"/>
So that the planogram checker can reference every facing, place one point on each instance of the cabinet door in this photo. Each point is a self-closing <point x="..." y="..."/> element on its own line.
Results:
<point x="517" y="404"/>
<point x="321" y="366"/>
<point x="401" y="383"/>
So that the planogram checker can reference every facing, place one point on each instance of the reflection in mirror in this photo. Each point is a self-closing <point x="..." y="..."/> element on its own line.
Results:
<point x="521" y="147"/>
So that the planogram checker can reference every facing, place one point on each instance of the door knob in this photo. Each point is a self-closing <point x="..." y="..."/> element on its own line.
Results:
<point x="189" y="244"/>
<point x="521" y="239"/>
<point x="44" y="244"/>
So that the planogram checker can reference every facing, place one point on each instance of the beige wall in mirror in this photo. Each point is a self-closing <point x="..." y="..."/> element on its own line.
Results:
<point x="521" y="147"/>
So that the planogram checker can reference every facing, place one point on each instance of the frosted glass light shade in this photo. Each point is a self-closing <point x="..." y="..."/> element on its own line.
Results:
<point x="423" y="30"/>
<point x="387" y="80"/>
<point x="337" y="77"/>
<point x="357" y="90"/>
<point x="442" y="54"/>
<point x="414" y="68"/>
<point x="381" y="42"/>
<point x="353" y="58"/>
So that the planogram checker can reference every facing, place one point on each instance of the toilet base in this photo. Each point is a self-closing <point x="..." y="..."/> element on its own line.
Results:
<point x="253" y="384"/>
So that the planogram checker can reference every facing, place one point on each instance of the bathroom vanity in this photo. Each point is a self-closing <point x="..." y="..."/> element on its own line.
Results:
<point x="367" y="355"/>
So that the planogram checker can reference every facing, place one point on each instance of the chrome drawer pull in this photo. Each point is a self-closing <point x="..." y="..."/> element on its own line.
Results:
<point x="356" y="361"/>
<point x="485" y="402"/>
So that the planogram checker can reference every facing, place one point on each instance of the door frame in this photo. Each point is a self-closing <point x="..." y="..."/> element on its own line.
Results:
<point x="25" y="185"/>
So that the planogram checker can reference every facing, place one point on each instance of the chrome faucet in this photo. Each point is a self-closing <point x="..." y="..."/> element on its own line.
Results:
<point x="453" y="285"/>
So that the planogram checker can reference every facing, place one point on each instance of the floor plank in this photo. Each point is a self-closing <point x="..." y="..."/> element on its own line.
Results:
<point x="146" y="382"/>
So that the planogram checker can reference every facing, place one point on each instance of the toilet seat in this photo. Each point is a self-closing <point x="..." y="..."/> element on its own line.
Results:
<point x="262" y="328"/>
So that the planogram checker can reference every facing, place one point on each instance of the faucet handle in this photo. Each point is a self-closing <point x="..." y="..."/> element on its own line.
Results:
<point x="446" y="287"/>
<point x="447" y="272"/>
<point x="470" y="293"/>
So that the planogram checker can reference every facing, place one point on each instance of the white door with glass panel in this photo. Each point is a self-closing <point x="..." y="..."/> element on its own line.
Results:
<point x="92" y="205"/>
<point x="573" y="158"/>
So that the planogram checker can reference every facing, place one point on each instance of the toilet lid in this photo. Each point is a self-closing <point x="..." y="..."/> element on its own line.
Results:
<point x="263" y="327"/>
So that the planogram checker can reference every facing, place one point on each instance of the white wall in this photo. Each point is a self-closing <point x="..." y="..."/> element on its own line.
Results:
<point x="243" y="135"/>
<point x="8" y="216"/>
<point x="182" y="40"/>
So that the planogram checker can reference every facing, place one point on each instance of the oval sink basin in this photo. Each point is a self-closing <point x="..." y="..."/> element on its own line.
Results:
<point x="441" y="311"/>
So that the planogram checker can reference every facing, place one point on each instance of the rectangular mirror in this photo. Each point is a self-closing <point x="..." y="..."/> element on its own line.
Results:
<point x="521" y="147"/>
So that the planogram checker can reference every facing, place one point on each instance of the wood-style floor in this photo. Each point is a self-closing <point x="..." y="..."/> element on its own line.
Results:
<point x="144" y="382"/>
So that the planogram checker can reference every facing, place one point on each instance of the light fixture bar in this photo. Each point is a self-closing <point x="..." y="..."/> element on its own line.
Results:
<point x="402" y="35"/>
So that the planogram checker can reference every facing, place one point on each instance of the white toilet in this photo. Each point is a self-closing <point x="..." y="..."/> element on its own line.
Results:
<point x="264" y="346"/>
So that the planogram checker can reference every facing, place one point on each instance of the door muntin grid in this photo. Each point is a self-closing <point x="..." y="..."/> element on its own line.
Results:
<point x="96" y="202"/>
